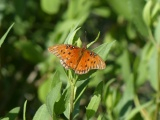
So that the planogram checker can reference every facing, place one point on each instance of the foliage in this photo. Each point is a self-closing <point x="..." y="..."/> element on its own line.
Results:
<point x="128" y="89"/>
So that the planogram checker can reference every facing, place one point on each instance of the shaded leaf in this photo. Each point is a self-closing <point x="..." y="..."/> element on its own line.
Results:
<point x="61" y="105"/>
<point x="30" y="51"/>
<point x="13" y="113"/>
<point x="135" y="111"/>
<point x="132" y="11"/>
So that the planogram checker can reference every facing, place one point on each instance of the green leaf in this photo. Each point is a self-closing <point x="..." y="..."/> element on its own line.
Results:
<point x="44" y="89"/>
<point x="124" y="62"/>
<point x="100" y="117"/>
<point x="132" y="11"/>
<point x="93" y="41"/>
<point x="157" y="31"/>
<point x="142" y="67"/>
<point x="81" y="87"/>
<point x="47" y="85"/>
<point x="67" y="111"/>
<point x="102" y="11"/>
<point x="61" y="105"/>
<point x="78" y="9"/>
<point x="6" y="118"/>
<point x="95" y="101"/>
<point x="147" y="12"/>
<point x="103" y="49"/>
<point x="155" y="9"/>
<point x="50" y="6"/>
<point x="30" y="51"/>
<point x="53" y="96"/>
<point x="136" y="110"/>
<point x="107" y="86"/>
<point x="42" y="114"/>
<point x="152" y="69"/>
<point x="24" y="110"/>
<point x="55" y="79"/>
<point x="5" y="35"/>
<point x="13" y="113"/>
<point x="125" y="104"/>
<point x="70" y="37"/>
<point x="79" y="42"/>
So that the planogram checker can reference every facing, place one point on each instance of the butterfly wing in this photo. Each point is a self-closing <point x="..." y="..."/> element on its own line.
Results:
<point x="69" y="55"/>
<point x="88" y="61"/>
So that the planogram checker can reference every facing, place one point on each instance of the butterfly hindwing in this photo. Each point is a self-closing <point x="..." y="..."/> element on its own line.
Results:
<point x="89" y="60"/>
<point x="68" y="55"/>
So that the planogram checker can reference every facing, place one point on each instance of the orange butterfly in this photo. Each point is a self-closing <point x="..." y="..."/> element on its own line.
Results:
<point x="80" y="60"/>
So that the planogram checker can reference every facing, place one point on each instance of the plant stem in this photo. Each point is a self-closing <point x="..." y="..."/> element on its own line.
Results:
<point x="143" y="112"/>
<point x="72" y="95"/>
<point x="152" y="38"/>
<point x="72" y="101"/>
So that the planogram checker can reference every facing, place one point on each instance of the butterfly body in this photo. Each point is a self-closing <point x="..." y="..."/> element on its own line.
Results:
<point x="80" y="60"/>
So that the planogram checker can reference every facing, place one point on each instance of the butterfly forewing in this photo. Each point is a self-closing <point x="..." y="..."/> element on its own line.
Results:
<point x="89" y="60"/>
<point x="69" y="55"/>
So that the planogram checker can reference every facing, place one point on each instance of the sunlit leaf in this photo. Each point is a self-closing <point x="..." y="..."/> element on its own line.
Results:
<point x="95" y="101"/>
<point x="157" y="31"/>
<point x="124" y="62"/>
<point x="42" y="113"/>
<point x="52" y="97"/>
<point x="50" y="6"/>
<point x="103" y="49"/>
<point x="69" y="39"/>
<point x="125" y="104"/>
<point x="24" y="110"/>
<point x="5" y="35"/>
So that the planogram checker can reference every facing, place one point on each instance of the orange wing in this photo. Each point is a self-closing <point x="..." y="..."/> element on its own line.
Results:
<point x="88" y="61"/>
<point x="69" y="55"/>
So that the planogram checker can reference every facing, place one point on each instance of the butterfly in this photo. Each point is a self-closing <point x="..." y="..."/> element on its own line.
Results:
<point x="80" y="60"/>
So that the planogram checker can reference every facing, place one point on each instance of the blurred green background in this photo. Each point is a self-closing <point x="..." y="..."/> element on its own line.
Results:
<point x="133" y="61"/>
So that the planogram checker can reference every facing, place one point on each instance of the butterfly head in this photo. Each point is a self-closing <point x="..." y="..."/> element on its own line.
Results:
<point x="84" y="47"/>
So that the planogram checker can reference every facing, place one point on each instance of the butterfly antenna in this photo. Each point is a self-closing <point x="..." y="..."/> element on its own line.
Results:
<point x="85" y="39"/>
<point x="85" y="36"/>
